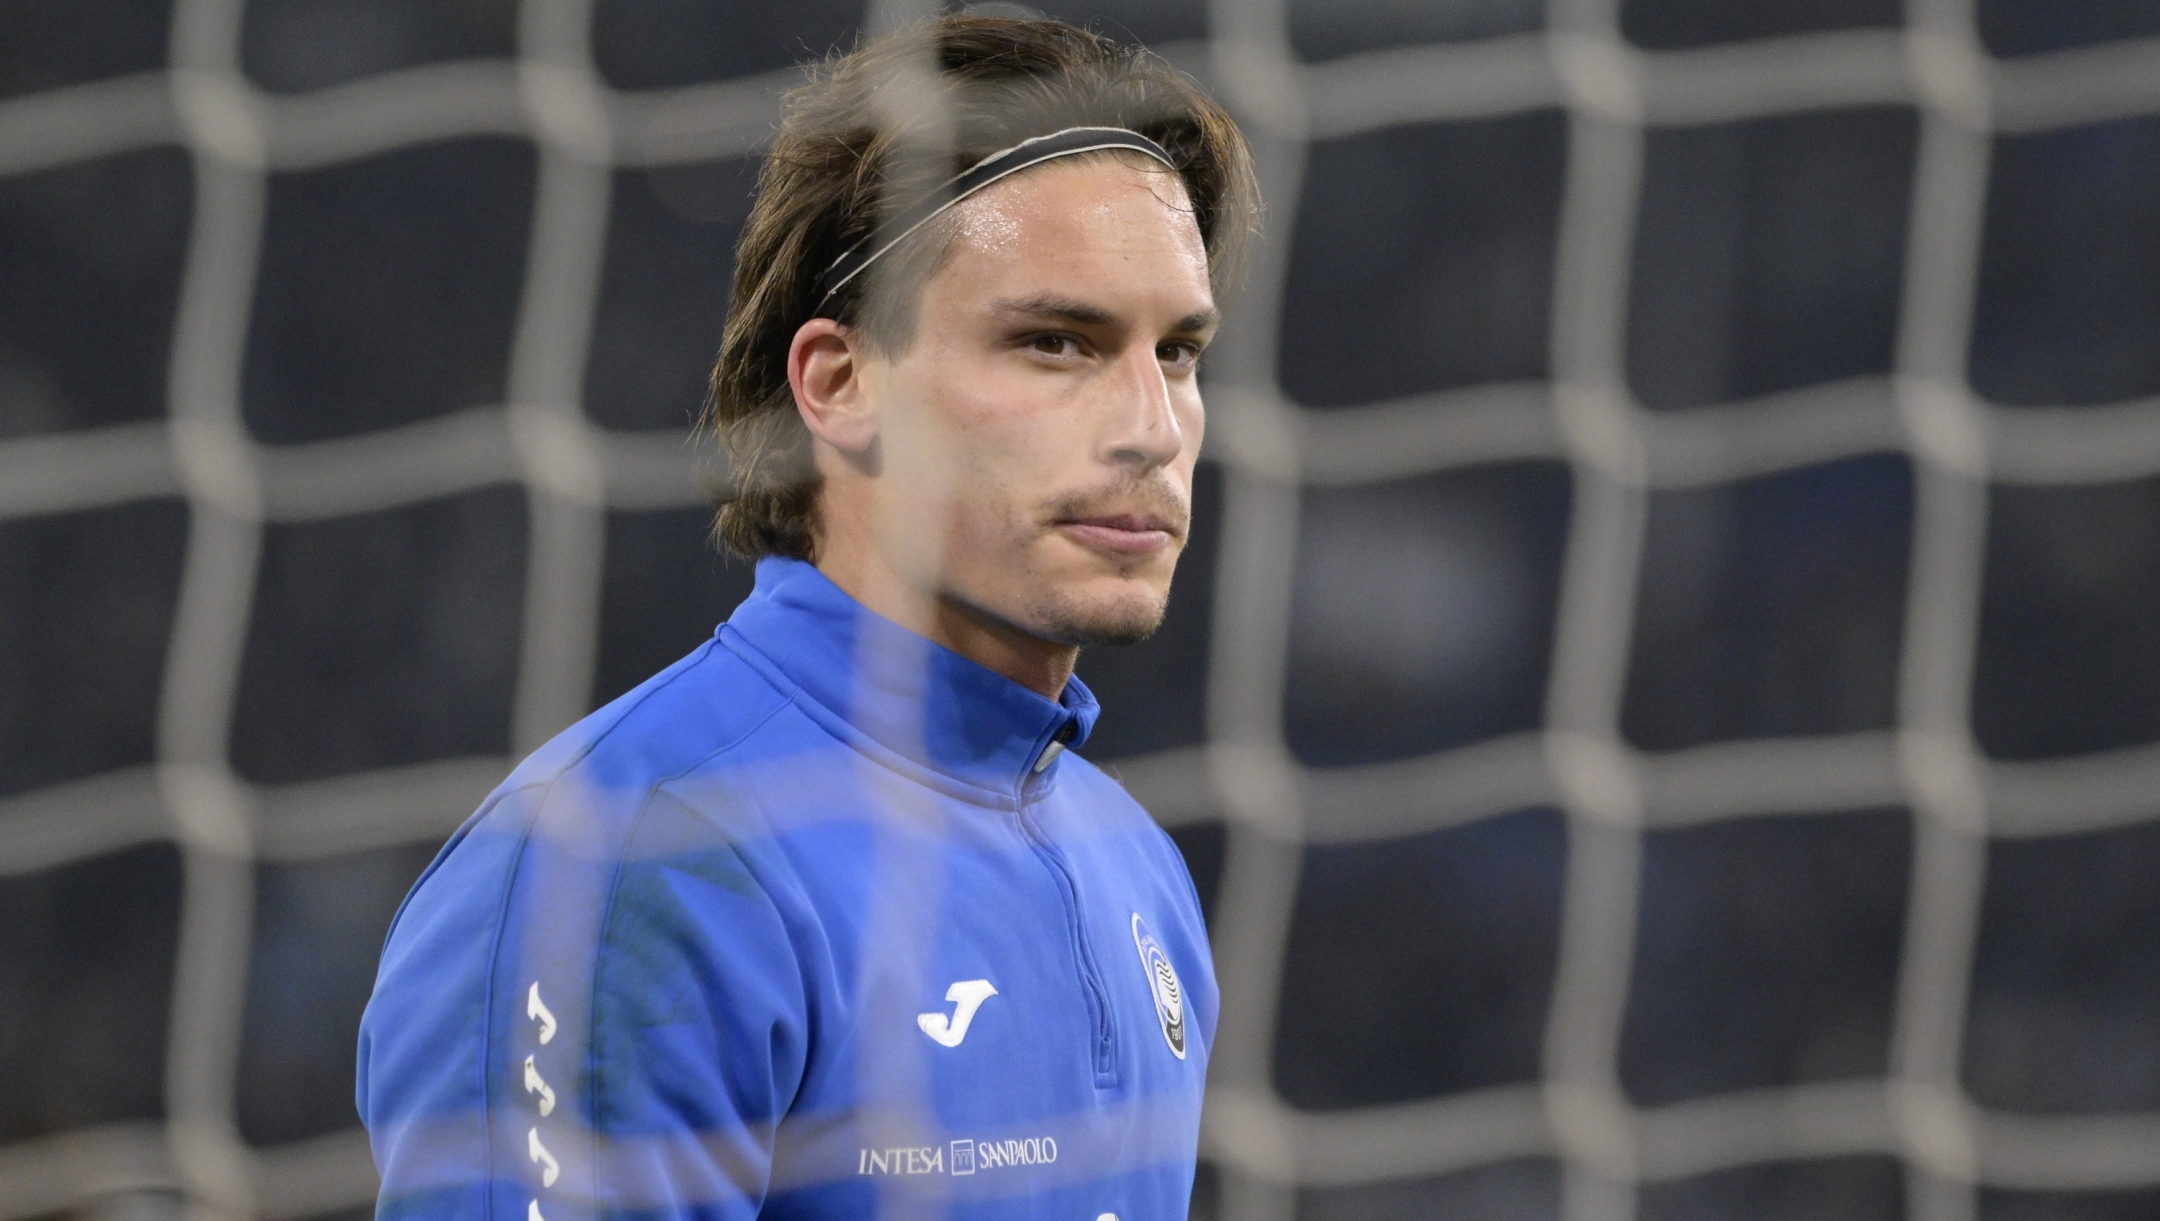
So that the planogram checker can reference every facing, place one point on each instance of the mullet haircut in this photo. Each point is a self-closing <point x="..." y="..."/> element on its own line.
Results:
<point x="871" y="132"/>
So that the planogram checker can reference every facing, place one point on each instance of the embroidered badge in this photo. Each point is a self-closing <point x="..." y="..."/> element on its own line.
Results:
<point x="1162" y="985"/>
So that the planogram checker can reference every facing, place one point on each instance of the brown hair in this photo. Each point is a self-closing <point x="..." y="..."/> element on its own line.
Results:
<point x="848" y="150"/>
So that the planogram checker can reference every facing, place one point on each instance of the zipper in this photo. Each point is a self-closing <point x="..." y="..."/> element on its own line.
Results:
<point x="1091" y="985"/>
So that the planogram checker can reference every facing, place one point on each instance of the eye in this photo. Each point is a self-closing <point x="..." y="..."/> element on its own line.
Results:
<point x="1178" y="354"/>
<point x="1055" y="344"/>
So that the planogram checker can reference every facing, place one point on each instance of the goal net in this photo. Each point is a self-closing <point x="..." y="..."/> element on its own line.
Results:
<point x="1639" y="759"/>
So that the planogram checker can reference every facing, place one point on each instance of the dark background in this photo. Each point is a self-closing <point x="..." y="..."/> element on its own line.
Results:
<point x="1768" y="256"/>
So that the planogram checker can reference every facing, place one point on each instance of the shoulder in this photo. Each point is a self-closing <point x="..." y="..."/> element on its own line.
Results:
<point x="584" y="898"/>
<point x="583" y="821"/>
<point x="582" y="794"/>
<point x="702" y="706"/>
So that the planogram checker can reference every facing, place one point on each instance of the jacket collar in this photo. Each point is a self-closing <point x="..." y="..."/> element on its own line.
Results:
<point x="915" y="698"/>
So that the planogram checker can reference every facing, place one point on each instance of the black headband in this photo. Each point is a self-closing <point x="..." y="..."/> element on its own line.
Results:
<point x="1067" y="143"/>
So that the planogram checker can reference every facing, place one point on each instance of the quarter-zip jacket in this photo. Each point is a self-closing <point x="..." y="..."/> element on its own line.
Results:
<point x="822" y="921"/>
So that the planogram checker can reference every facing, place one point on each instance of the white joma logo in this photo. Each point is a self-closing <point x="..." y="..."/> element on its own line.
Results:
<point x="967" y="996"/>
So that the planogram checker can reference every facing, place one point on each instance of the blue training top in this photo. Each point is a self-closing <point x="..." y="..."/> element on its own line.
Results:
<point x="818" y="922"/>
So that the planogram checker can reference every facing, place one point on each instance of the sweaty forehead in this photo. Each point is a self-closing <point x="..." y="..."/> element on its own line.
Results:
<point x="1098" y="211"/>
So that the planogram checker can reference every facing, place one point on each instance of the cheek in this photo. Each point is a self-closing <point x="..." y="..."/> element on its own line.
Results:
<point x="992" y="453"/>
<point x="946" y="414"/>
<point x="1018" y="430"/>
<point x="991" y="529"/>
<point x="1009" y="468"/>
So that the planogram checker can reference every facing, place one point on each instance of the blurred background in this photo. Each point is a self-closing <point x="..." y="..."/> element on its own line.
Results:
<point x="1662" y="703"/>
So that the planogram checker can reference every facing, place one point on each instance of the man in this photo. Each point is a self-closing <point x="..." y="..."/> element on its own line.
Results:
<point x="825" y="920"/>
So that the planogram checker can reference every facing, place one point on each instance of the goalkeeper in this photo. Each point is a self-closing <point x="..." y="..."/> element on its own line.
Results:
<point x="825" y="920"/>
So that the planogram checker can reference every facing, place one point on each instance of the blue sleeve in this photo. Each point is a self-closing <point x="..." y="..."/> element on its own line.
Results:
<point x="699" y="1034"/>
<point x="584" y="1011"/>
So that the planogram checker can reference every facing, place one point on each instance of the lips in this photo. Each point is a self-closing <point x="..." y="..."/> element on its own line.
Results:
<point x="1126" y="534"/>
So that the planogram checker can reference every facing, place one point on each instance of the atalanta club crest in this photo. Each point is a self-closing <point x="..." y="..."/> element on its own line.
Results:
<point x="1163" y="986"/>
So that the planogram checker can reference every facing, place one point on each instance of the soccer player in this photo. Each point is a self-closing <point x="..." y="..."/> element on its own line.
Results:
<point x="826" y="920"/>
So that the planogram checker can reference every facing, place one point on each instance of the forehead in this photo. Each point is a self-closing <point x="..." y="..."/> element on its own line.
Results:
<point x="1100" y="223"/>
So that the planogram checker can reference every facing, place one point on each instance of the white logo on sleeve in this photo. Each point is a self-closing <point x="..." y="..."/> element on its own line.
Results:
<point x="550" y="1169"/>
<point x="536" y="1084"/>
<point x="967" y="996"/>
<point x="538" y="1012"/>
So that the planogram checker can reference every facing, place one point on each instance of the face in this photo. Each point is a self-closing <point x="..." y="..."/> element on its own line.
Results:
<point x="1037" y="439"/>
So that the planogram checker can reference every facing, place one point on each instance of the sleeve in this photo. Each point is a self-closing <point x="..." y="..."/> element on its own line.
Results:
<point x="585" y="1025"/>
<point x="699" y="1025"/>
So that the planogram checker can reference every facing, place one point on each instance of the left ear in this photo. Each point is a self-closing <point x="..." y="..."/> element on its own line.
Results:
<point x="825" y="372"/>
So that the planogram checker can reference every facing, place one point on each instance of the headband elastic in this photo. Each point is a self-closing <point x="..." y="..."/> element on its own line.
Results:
<point x="1002" y="164"/>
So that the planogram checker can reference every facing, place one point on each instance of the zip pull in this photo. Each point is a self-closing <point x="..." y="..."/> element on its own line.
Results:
<point x="1055" y="748"/>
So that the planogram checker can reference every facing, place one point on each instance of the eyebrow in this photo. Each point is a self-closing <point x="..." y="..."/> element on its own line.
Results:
<point x="1080" y="313"/>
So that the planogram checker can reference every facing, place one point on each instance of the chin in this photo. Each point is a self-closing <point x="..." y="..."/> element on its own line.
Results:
<point x="1088" y="622"/>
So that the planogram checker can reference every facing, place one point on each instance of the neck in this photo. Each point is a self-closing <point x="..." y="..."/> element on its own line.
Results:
<point x="1042" y="666"/>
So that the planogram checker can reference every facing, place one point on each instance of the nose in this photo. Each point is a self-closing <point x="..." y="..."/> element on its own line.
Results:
<point x="1143" y="431"/>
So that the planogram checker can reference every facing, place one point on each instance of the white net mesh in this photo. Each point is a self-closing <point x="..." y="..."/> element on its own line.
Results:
<point x="1269" y="450"/>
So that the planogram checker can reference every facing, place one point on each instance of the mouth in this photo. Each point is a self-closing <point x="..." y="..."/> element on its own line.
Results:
<point x="1122" y="534"/>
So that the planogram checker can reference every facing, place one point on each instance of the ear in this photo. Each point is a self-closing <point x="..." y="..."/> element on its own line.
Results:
<point x="825" y="371"/>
